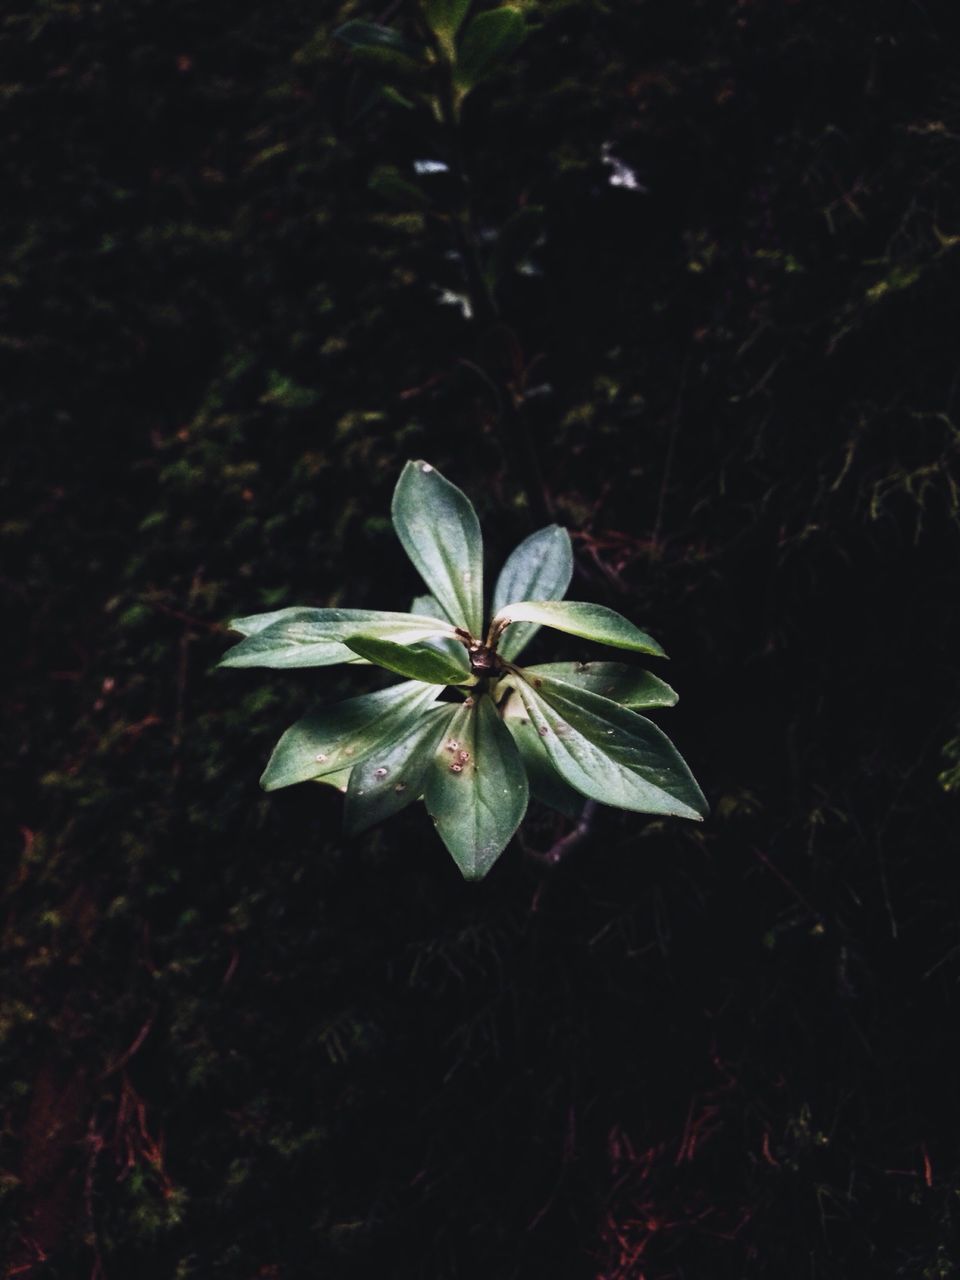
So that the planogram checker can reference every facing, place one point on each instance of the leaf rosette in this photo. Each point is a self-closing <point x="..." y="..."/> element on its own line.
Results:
<point x="468" y="730"/>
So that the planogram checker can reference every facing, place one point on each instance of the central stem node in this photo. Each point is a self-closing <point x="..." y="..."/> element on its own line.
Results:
<point x="484" y="661"/>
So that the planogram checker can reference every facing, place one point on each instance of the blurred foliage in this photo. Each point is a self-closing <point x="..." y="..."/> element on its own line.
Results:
<point x="724" y="238"/>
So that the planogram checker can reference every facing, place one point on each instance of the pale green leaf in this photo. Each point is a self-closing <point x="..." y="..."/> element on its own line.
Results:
<point x="426" y="607"/>
<point x="392" y="777"/>
<point x="629" y="686"/>
<point x="255" y="622"/>
<point x="442" y="660"/>
<point x="476" y="788"/>
<point x="609" y="753"/>
<point x="340" y="780"/>
<point x="540" y="568"/>
<point x="315" y="637"/>
<point x="340" y="736"/>
<point x="440" y="533"/>
<point x="578" y="618"/>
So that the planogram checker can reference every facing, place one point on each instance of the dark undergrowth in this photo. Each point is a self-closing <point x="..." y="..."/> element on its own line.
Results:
<point x="233" y="1044"/>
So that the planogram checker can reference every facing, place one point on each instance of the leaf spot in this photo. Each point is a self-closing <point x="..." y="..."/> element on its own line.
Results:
<point x="453" y="744"/>
<point x="320" y="757"/>
<point x="463" y="756"/>
<point x="426" y="467"/>
<point x="349" y="751"/>
<point x="456" y="768"/>
<point x="401" y="786"/>
<point x="543" y="731"/>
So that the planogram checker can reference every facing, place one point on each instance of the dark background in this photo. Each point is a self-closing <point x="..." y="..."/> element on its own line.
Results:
<point x="233" y="1044"/>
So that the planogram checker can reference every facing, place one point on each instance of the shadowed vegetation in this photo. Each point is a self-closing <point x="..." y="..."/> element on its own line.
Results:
<point x="720" y="248"/>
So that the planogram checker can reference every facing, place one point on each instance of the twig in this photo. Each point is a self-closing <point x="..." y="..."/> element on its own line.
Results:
<point x="560" y="848"/>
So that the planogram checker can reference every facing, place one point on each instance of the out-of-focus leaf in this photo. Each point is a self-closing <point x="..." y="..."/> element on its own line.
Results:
<point x="389" y="183"/>
<point x="445" y="17"/>
<point x="540" y="568"/>
<point x="439" y="530"/>
<point x="392" y="777"/>
<point x="476" y="788"/>
<point x="372" y="36"/>
<point x="339" y="737"/>
<point x="579" y="618"/>
<point x="487" y="44"/>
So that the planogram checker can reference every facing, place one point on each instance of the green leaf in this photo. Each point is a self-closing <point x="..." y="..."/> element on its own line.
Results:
<point x="440" y="533"/>
<point x="260" y="621"/>
<point x="372" y="37"/>
<point x="628" y="686"/>
<point x="546" y="785"/>
<point x="609" y="753"/>
<point x="476" y="788"/>
<point x="389" y="183"/>
<point x="577" y="618"/>
<point x="339" y="737"/>
<point x="316" y="637"/>
<point x="488" y="42"/>
<point x="440" y="661"/>
<point x="445" y="17"/>
<point x="540" y="568"/>
<point x="426" y="607"/>
<point x="340" y="779"/>
<point x="392" y="777"/>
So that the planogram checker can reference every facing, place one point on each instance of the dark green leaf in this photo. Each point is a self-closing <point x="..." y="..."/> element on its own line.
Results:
<point x="629" y="686"/>
<point x="371" y="36"/>
<point x="315" y="637"/>
<point x="546" y="785"/>
<point x="341" y="736"/>
<point x="577" y="618"/>
<point x="389" y="183"/>
<point x="440" y="533"/>
<point x="540" y="568"/>
<point x="445" y="17"/>
<point x="609" y="753"/>
<point x="487" y="44"/>
<point x="440" y="661"/>
<point x="392" y="777"/>
<point x="476" y="788"/>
